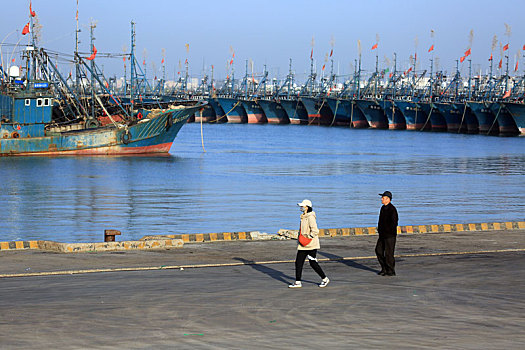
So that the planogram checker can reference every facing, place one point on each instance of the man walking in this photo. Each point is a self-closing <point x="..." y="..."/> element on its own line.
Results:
<point x="387" y="228"/>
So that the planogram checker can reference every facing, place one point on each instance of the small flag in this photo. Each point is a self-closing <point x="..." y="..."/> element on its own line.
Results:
<point x="186" y="62"/>
<point x="431" y="48"/>
<point x="144" y="62"/>
<point x="13" y="60"/>
<point x="462" y="59"/>
<point x="31" y="12"/>
<point x="331" y="52"/>
<point x="231" y="61"/>
<point x="312" y="54"/>
<point x="467" y="52"/>
<point x="92" y="57"/>
<point x="26" y="29"/>
<point x="490" y="59"/>
<point x="516" y="68"/>
<point x="124" y="58"/>
<point x="523" y="48"/>
<point x="323" y="66"/>
<point x="500" y="62"/>
<point x="507" y="94"/>
<point x="161" y="62"/>
<point x="374" y="47"/>
<point x="506" y="47"/>
<point x="390" y="75"/>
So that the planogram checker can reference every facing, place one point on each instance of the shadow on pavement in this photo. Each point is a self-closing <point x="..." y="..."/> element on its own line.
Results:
<point x="275" y="274"/>
<point x="349" y="263"/>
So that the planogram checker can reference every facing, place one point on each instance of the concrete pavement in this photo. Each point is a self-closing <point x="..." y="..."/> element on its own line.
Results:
<point x="470" y="299"/>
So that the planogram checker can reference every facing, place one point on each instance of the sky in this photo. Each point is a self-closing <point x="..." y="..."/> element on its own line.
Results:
<point x="271" y="32"/>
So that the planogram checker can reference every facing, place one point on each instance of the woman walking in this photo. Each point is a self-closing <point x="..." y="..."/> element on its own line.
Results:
<point x="307" y="245"/>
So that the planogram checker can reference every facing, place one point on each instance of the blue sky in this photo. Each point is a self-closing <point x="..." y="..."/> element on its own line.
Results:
<point x="270" y="32"/>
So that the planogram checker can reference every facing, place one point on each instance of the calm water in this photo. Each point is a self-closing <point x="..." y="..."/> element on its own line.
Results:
<point x="252" y="176"/>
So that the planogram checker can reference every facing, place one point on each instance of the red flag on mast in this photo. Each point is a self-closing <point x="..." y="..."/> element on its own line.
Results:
<point x="506" y="47"/>
<point x="467" y="52"/>
<point x="507" y="94"/>
<point x="92" y="57"/>
<point x="516" y="68"/>
<point x="31" y="12"/>
<point x="462" y="59"/>
<point x="431" y="48"/>
<point x="331" y="52"/>
<point x="26" y="29"/>
<point x="312" y="54"/>
<point x="162" y="61"/>
<point x="374" y="47"/>
<point x="500" y="62"/>
<point x="490" y="59"/>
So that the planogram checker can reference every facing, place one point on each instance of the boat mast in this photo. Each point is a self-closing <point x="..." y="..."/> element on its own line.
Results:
<point x="132" y="66"/>
<point x="376" y="76"/>
<point x="77" y="64"/>
<point x="394" y="76"/>
<point x="92" y="41"/>
<point x="469" y="79"/>
<point x="289" y="79"/>
<point x="457" y="79"/>
<point x="359" y="78"/>
<point x="431" y="77"/>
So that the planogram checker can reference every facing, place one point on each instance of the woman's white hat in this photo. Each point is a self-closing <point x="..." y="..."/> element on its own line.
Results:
<point x="305" y="203"/>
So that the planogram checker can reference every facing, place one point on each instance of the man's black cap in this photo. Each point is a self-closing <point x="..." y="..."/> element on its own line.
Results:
<point x="386" y="193"/>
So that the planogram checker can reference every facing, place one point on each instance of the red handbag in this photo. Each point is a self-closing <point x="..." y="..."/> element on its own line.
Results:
<point x="303" y="240"/>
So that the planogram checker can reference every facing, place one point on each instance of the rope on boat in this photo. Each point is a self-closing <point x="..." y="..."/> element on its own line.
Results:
<point x="335" y="112"/>
<point x="107" y="113"/>
<point x="202" y="137"/>
<point x="226" y="115"/>
<point x="462" y="118"/>
<point x="428" y="118"/>
<point x="495" y="119"/>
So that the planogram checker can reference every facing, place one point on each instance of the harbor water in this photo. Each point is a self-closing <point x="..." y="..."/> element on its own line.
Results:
<point x="251" y="177"/>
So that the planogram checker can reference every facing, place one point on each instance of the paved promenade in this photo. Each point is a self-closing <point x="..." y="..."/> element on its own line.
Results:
<point x="453" y="291"/>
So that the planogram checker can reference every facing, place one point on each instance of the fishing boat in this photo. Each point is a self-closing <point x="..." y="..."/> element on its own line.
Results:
<point x="339" y="108"/>
<point x="32" y="124"/>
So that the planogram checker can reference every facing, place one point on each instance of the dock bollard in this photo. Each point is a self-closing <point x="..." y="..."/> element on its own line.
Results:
<point x="109" y="235"/>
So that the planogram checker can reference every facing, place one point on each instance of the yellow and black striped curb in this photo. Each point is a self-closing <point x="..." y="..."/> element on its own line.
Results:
<point x="412" y="229"/>
<point x="175" y="241"/>
<point x="92" y="247"/>
<point x="339" y="232"/>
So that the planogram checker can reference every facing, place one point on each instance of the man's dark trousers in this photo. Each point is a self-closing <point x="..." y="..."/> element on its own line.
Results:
<point x="385" y="254"/>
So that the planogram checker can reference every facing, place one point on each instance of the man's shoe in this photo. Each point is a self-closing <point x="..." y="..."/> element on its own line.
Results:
<point x="324" y="282"/>
<point x="381" y="273"/>
<point x="297" y="284"/>
<point x="391" y="274"/>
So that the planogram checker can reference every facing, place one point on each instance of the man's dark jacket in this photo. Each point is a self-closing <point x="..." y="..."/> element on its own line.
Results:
<point x="387" y="225"/>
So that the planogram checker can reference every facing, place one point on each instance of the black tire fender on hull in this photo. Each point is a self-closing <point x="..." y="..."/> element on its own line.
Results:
<point x="125" y="137"/>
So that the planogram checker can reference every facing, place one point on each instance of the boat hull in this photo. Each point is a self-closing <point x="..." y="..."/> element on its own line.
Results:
<point x="151" y="135"/>
<point x="233" y="109"/>
<point x="295" y="111"/>
<point x="274" y="112"/>
<point x="396" y="119"/>
<point x="254" y="112"/>
<point x="318" y="113"/>
<point x="488" y="124"/>
<point x="414" y="116"/>
<point x="374" y="113"/>
<point x="517" y="110"/>
<point x="339" y="109"/>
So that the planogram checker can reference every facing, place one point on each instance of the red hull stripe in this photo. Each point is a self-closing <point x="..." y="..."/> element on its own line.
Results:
<point x="161" y="148"/>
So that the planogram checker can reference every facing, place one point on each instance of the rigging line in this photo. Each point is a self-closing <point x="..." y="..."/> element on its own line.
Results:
<point x="495" y="119"/>
<point x="202" y="134"/>
<point x="462" y="117"/>
<point x="428" y="118"/>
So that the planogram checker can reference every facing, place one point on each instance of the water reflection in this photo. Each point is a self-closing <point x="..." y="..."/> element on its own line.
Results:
<point x="251" y="177"/>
